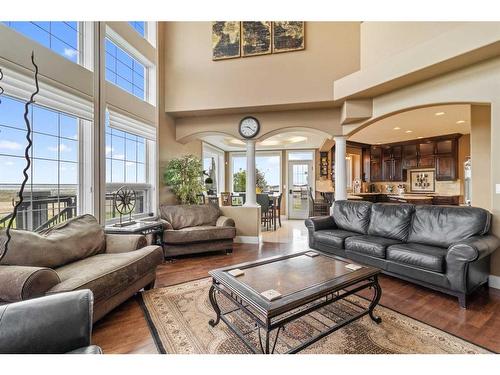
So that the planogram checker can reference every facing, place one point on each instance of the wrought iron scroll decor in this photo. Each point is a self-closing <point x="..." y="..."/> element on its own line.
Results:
<point x="26" y="157"/>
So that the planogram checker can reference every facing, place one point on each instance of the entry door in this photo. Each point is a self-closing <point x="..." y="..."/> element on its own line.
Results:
<point x="299" y="180"/>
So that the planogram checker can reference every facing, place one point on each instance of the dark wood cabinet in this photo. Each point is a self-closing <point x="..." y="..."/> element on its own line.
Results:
<point x="410" y="156"/>
<point x="426" y="157"/>
<point x="390" y="162"/>
<point x="446" y="160"/>
<point x="376" y="164"/>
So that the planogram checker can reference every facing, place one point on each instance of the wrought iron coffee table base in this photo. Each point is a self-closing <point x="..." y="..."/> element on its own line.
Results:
<point x="278" y="323"/>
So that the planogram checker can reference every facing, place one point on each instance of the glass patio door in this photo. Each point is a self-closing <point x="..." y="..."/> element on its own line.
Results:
<point x="299" y="182"/>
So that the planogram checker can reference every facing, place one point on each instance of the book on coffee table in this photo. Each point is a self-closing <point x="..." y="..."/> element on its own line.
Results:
<point x="353" y="267"/>
<point x="236" y="272"/>
<point x="271" y="294"/>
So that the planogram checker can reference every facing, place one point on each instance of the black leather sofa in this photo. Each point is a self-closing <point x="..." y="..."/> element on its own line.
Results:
<point x="446" y="248"/>
<point x="56" y="324"/>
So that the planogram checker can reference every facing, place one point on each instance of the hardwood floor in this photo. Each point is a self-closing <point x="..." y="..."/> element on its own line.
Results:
<point x="125" y="329"/>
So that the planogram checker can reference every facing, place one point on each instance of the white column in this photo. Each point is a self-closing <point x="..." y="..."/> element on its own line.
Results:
<point x="251" y="196"/>
<point x="340" y="171"/>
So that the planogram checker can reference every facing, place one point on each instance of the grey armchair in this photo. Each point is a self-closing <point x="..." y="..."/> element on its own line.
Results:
<point x="56" y="324"/>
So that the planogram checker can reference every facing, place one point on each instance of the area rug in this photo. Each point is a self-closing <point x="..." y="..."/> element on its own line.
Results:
<point x="178" y="319"/>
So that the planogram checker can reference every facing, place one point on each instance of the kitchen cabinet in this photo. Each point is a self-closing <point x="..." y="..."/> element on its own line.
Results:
<point x="447" y="200"/>
<point x="446" y="160"/>
<point x="392" y="165"/>
<point x="390" y="162"/>
<point x="376" y="164"/>
<point x="410" y="156"/>
<point x="426" y="158"/>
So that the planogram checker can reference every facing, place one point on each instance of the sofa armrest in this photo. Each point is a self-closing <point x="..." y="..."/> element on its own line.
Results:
<point x="472" y="248"/>
<point x="48" y="325"/>
<point x="320" y="222"/>
<point x="123" y="243"/>
<point x="18" y="283"/>
<point x="224" y="221"/>
<point x="166" y="224"/>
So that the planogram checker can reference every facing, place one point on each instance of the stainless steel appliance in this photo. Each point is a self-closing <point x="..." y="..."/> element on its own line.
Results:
<point x="467" y="181"/>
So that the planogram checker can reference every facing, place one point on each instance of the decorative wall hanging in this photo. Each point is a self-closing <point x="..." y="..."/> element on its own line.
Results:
<point x="288" y="36"/>
<point x="422" y="181"/>
<point x="256" y="38"/>
<point x="226" y="39"/>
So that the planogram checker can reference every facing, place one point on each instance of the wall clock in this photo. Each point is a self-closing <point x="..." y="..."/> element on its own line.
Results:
<point x="249" y="127"/>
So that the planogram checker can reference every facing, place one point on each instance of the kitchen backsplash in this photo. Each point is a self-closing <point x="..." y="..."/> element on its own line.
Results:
<point x="442" y="187"/>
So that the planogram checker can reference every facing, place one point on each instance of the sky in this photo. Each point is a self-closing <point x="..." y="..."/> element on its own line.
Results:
<point x="269" y="164"/>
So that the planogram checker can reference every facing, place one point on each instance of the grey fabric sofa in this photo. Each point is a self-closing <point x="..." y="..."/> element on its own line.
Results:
<point x="77" y="255"/>
<point x="56" y="324"/>
<point x="446" y="248"/>
<point x="191" y="229"/>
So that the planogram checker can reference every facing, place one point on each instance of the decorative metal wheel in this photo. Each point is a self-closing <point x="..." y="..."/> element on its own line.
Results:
<point x="125" y="200"/>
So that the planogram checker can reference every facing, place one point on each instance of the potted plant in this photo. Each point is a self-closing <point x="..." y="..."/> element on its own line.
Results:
<point x="184" y="176"/>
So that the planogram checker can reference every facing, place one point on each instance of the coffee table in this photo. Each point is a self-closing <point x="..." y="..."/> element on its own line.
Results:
<point x="305" y="284"/>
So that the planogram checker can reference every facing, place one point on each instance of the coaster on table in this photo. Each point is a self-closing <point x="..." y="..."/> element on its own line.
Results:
<point x="271" y="294"/>
<point x="353" y="267"/>
<point x="236" y="272"/>
<point x="311" y="254"/>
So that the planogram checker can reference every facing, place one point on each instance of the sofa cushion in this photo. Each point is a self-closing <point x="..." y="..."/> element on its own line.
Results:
<point x="73" y="240"/>
<point x="445" y="225"/>
<point x="431" y="258"/>
<point x="198" y="234"/>
<point x="353" y="216"/>
<point x="333" y="237"/>
<point x="108" y="274"/>
<point x="369" y="245"/>
<point x="184" y="216"/>
<point x="391" y="220"/>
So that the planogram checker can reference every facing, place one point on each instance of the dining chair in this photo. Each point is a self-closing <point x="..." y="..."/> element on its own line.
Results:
<point x="266" y="212"/>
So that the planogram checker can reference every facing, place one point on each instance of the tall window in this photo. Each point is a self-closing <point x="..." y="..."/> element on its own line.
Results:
<point x="126" y="165"/>
<point x="268" y="166"/>
<point x="139" y="26"/>
<point x="51" y="195"/>
<point x="213" y="167"/>
<point x="124" y="71"/>
<point x="61" y="37"/>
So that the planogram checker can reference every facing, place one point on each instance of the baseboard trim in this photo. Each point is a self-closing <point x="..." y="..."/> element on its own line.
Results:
<point x="247" y="239"/>
<point x="494" y="282"/>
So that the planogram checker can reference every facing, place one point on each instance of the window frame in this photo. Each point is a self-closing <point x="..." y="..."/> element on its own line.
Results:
<point x="232" y="154"/>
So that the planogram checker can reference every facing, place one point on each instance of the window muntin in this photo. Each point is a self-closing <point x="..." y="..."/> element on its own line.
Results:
<point x="126" y="165"/>
<point x="125" y="71"/>
<point x="51" y="194"/>
<point x="267" y="163"/>
<point x="139" y="26"/>
<point x="61" y="37"/>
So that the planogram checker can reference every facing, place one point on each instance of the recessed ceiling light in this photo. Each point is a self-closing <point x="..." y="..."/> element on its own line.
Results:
<point x="461" y="122"/>
<point x="397" y="128"/>
<point x="439" y="113"/>
<point x="420" y="137"/>
<point x="409" y="131"/>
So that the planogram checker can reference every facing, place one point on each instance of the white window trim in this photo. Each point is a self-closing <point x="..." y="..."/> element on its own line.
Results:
<point x="257" y="153"/>
<point x="213" y="151"/>
<point x="150" y="68"/>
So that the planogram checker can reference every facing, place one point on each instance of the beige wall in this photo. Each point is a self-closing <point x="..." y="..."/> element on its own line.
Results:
<point x="325" y="122"/>
<point x="168" y="147"/>
<point x="247" y="221"/>
<point x="195" y="82"/>
<point x="381" y="40"/>
<point x="480" y="148"/>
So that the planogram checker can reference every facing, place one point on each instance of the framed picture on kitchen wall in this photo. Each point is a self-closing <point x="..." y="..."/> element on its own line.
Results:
<point x="255" y="38"/>
<point x="288" y="36"/>
<point x="226" y="40"/>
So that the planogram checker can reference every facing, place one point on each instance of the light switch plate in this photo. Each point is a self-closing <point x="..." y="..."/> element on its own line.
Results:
<point x="497" y="188"/>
